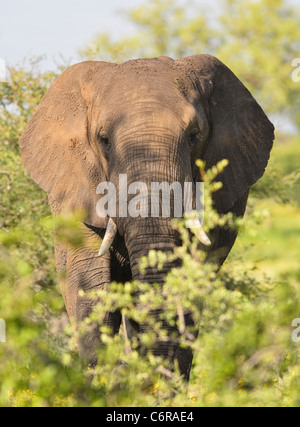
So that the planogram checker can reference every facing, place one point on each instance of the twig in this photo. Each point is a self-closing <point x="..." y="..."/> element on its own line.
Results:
<point x="259" y="355"/>
<point x="164" y="371"/>
<point x="180" y="317"/>
<point x="128" y="348"/>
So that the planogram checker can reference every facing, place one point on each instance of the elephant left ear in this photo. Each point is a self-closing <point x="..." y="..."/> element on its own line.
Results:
<point x="240" y="130"/>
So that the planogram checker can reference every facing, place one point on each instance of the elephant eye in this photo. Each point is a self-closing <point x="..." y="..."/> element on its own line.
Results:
<point x="103" y="139"/>
<point x="193" y="138"/>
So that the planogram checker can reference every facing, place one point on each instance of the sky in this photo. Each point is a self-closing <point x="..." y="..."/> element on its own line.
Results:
<point x="52" y="27"/>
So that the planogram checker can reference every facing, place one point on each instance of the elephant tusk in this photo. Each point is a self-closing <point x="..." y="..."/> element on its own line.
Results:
<point x="201" y="235"/>
<point x="110" y="234"/>
<point x="195" y="225"/>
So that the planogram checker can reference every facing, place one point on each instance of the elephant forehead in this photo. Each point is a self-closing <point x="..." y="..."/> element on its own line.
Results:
<point x="138" y="79"/>
<point x="129" y="89"/>
<point x="147" y="103"/>
<point x="146" y="115"/>
<point x="147" y="90"/>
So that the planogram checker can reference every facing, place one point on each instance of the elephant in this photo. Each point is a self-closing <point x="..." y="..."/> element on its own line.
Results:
<point x="148" y="119"/>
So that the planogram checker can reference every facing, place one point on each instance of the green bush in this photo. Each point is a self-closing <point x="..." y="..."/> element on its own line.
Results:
<point x="244" y="355"/>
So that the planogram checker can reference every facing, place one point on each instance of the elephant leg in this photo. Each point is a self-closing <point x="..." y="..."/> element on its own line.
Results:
<point x="171" y="349"/>
<point x="184" y="355"/>
<point x="184" y="358"/>
<point x="81" y="269"/>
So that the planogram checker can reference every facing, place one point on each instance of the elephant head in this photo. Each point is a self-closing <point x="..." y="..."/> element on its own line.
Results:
<point x="148" y="119"/>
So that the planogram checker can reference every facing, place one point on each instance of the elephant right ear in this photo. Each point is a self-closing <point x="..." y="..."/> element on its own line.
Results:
<point x="56" y="149"/>
<point x="239" y="129"/>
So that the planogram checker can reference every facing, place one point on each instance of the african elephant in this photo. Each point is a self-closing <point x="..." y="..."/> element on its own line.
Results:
<point x="149" y="119"/>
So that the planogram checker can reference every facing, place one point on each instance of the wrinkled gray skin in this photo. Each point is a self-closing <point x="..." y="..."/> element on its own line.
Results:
<point x="150" y="119"/>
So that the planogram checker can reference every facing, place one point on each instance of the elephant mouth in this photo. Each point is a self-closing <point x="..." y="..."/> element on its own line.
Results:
<point x="118" y="251"/>
<point x="111" y="231"/>
<point x="149" y="204"/>
<point x="114" y="243"/>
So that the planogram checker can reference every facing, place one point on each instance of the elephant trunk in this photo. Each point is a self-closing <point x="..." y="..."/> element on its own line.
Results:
<point x="153" y="230"/>
<point x="158" y="234"/>
<point x="144" y="235"/>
